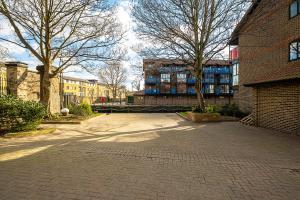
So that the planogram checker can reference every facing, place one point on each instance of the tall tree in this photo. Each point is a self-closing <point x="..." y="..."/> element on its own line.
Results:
<point x="62" y="33"/>
<point x="137" y="83"/>
<point x="3" y="52"/>
<point x="194" y="31"/>
<point x="113" y="75"/>
<point x="137" y="72"/>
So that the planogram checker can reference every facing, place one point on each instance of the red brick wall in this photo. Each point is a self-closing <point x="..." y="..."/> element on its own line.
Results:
<point x="264" y="47"/>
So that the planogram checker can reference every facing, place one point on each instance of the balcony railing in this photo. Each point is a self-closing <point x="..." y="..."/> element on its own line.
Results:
<point x="173" y="91"/>
<point x="217" y="70"/>
<point x="191" y="91"/>
<point x="208" y="80"/>
<point x="191" y="81"/>
<point x="225" y="81"/>
<point x="152" y="91"/>
<point x="151" y="80"/>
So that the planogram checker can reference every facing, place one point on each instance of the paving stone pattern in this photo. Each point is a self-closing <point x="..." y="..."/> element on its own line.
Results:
<point x="151" y="156"/>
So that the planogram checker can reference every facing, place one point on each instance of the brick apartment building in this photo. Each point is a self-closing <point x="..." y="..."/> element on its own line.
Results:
<point x="169" y="82"/>
<point x="268" y="40"/>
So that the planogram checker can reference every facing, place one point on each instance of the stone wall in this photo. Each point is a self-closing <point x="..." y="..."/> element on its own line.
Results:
<point x="277" y="106"/>
<point x="25" y="84"/>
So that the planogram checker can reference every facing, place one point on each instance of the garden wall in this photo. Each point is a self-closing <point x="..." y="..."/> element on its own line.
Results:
<point x="25" y="84"/>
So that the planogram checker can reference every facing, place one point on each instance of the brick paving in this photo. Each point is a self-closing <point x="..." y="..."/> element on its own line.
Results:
<point x="151" y="156"/>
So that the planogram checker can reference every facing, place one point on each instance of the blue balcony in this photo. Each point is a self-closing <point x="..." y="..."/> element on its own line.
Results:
<point x="225" y="81"/>
<point x="152" y="91"/>
<point x="173" y="91"/>
<point x="191" y="81"/>
<point x="151" y="80"/>
<point x="216" y="70"/>
<point x="191" y="91"/>
<point x="208" y="80"/>
<point x="218" y="92"/>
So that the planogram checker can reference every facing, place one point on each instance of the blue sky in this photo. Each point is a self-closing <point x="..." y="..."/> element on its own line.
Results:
<point x="123" y="14"/>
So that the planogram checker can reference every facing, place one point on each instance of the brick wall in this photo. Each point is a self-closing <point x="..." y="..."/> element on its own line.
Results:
<point x="180" y="100"/>
<point x="264" y="47"/>
<point x="277" y="106"/>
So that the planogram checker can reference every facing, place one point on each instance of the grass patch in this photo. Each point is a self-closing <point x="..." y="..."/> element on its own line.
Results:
<point x="41" y="131"/>
<point x="185" y="114"/>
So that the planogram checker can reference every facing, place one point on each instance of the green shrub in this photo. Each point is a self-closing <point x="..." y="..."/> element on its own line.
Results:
<point x="19" y="115"/>
<point x="232" y="110"/>
<point x="197" y="109"/>
<point x="211" y="109"/>
<point x="83" y="109"/>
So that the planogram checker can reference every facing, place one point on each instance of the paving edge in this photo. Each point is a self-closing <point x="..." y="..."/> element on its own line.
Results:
<point x="182" y="116"/>
<point x="73" y="122"/>
<point x="186" y="118"/>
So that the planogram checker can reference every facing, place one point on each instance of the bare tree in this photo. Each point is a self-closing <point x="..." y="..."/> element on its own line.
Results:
<point x="62" y="33"/>
<point x="3" y="52"/>
<point x="137" y="83"/>
<point x="137" y="72"/>
<point x="113" y="75"/>
<point x="194" y="31"/>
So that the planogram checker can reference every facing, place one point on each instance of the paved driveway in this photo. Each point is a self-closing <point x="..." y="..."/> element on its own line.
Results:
<point x="151" y="156"/>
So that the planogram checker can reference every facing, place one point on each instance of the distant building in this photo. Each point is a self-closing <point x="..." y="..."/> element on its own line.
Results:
<point x="169" y="82"/>
<point x="3" y="79"/>
<point x="16" y="79"/>
<point x="268" y="40"/>
<point x="90" y="91"/>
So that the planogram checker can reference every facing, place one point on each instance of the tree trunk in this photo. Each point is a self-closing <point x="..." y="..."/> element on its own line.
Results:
<point x="199" y="93"/>
<point x="45" y="87"/>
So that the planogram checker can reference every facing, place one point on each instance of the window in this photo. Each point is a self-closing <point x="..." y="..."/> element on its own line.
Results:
<point x="294" y="8"/>
<point x="225" y="89"/>
<point x="235" y="74"/>
<point x="181" y="78"/>
<point x="294" y="51"/>
<point x="165" y="78"/>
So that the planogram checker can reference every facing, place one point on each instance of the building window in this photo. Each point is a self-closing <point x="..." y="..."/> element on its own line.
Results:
<point x="165" y="78"/>
<point x="235" y="74"/>
<point x="294" y="53"/>
<point x="181" y="78"/>
<point x="294" y="8"/>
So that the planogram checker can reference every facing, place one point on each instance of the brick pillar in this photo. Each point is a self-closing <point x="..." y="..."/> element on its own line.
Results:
<point x="55" y="91"/>
<point x="16" y="77"/>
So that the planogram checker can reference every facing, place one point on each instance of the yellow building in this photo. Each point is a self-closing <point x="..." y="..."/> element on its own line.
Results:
<point x="78" y="90"/>
<point x="3" y="79"/>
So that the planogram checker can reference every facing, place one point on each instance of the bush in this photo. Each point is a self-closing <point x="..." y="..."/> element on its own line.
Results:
<point x="211" y="109"/>
<point x="83" y="109"/>
<point x="19" y="115"/>
<point x="232" y="110"/>
<point x="197" y="109"/>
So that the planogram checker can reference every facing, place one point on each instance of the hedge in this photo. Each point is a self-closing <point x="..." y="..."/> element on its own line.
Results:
<point x="19" y="115"/>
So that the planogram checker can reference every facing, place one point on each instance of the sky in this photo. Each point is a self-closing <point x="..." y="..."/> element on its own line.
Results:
<point x="124" y="16"/>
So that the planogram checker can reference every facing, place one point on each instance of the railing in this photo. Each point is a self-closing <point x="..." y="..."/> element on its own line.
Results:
<point x="217" y="70"/>
<point x="151" y="80"/>
<point x="225" y="81"/>
<point x="208" y="80"/>
<point x="173" y="91"/>
<point x="191" y="81"/>
<point x="191" y="91"/>
<point x="152" y="91"/>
